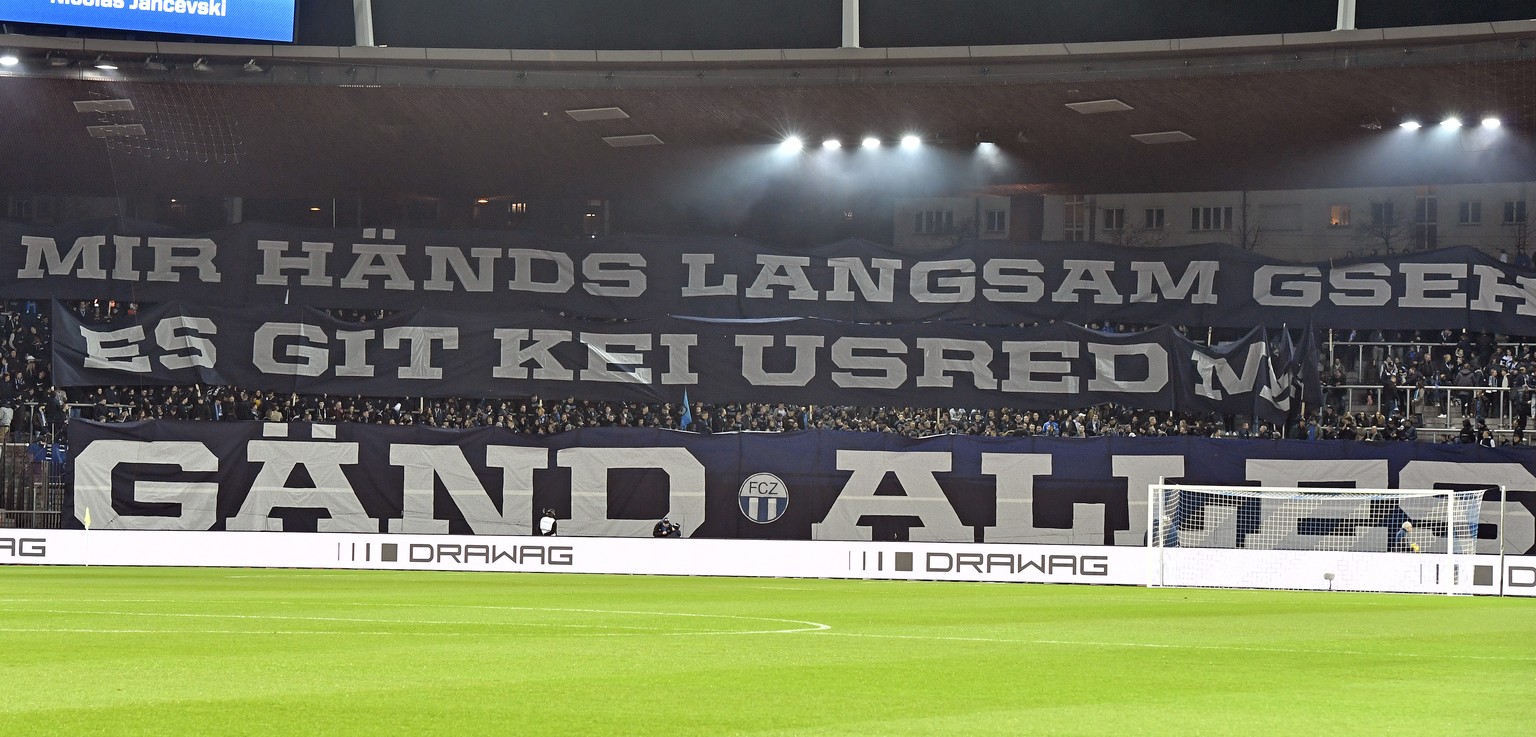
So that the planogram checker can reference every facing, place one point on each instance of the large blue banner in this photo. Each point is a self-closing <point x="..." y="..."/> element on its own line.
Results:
<point x="627" y="277"/>
<point x="259" y="20"/>
<point x="518" y="354"/>
<point x="173" y="475"/>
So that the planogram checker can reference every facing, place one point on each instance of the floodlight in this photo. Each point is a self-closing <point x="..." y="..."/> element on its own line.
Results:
<point x="254" y="68"/>
<point x="201" y="65"/>
<point x="9" y="58"/>
<point x="791" y="144"/>
<point x="155" y="64"/>
<point x="105" y="64"/>
<point x="1451" y="123"/>
<point x="871" y="142"/>
<point x="831" y="144"/>
<point x="910" y="141"/>
<point x="1491" y="122"/>
<point x="1410" y="124"/>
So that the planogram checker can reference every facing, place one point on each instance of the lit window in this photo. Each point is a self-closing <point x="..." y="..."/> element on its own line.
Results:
<point x="1338" y="216"/>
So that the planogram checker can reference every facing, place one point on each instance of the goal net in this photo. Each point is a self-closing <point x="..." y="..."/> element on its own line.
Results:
<point x="1404" y="540"/>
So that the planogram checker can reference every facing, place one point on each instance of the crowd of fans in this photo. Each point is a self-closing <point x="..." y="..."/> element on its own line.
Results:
<point x="1415" y="379"/>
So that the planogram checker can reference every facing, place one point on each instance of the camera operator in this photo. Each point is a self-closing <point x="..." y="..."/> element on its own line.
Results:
<point x="667" y="528"/>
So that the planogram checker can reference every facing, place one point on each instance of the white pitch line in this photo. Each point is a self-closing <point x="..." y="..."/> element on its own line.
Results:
<point x="1161" y="646"/>
<point x="807" y="626"/>
<point x="97" y="631"/>
<point x="353" y="620"/>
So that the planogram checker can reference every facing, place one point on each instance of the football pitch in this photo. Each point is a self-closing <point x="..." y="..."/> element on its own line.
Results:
<point x="120" y="651"/>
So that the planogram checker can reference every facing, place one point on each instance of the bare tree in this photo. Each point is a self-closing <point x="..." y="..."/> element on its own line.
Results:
<point x="963" y="231"/>
<point x="1522" y="235"/>
<point x="1247" y="232"/>
<point x="1388" y="230"/>
<point x="1135" y="235"/>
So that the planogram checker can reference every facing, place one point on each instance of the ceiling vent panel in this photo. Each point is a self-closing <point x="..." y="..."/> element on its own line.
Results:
<point x="597" y="113"/>
<point x="1164" y="137"/>
<point x="1094" y="107"/>
<point x="644" y="139"/>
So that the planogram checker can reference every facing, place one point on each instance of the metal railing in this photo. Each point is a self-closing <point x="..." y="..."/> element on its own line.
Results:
<point x="31" y="486"/>
<point x="1438" y="409"/>
<point x="1360" y="357"/>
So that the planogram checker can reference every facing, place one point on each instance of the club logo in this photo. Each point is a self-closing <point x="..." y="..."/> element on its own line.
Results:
<point x="763" y="497"/>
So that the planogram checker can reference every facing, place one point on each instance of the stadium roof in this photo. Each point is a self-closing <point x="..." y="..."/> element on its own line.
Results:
<point x="1317" y="109"/>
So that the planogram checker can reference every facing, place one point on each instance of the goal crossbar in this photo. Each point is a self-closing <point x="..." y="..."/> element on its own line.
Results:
<point x="1342" y="490"/>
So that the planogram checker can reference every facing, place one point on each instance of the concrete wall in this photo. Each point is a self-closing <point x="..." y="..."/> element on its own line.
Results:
<point x="1299" y="224"/>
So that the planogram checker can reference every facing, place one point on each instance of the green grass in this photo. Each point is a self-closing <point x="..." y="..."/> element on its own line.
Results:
<point x="87" y="651"/>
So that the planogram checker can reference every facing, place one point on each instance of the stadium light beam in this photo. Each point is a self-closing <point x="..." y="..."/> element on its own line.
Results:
<point x="791" y="144"/>
<point x="1492" y="121"/>
<point x="9" y="58"/>
<point x="831" y="144"/>
<point x="1410" y="125"/>
<point x="105" y="64"/>
<point x="1451" y="123"/>
<point x="910" y="141"/>
<point x="871" y="142"/>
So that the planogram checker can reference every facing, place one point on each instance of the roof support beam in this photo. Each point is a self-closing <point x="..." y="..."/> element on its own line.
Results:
<point x="362" y="22"/>
<point x="1346" y="16"/>
<point x="850" y="24"/>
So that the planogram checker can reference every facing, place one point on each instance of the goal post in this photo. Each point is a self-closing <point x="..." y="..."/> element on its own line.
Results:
<point x="1344" y="539"/>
